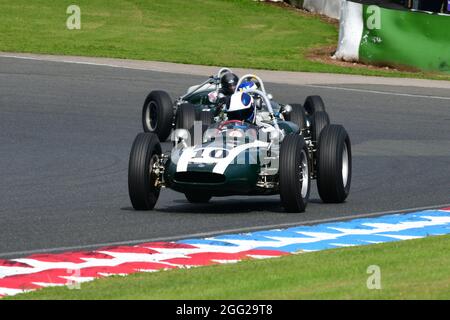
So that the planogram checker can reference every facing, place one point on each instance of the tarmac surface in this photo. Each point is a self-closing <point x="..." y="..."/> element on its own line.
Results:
<point x="67" y="129"/>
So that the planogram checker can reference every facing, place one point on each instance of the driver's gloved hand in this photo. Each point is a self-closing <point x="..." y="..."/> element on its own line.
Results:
<point x="222" y="103"/>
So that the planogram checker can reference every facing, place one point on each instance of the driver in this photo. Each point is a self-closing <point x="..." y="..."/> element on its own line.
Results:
<point x="250" y="85"/>
<point x="241" y="107"/>
<point x="228" y="83"/>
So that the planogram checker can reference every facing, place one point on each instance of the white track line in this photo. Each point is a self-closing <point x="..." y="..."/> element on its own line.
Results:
<point x="377" y="92"/>
<point x="74" y="62"/>
<point x="301" y="85"/>
<point x="217" y="232"/>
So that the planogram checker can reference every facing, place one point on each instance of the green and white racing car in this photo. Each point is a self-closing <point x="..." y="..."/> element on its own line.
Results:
<point x="278" y="151"/>
<point x="161" y="115"/>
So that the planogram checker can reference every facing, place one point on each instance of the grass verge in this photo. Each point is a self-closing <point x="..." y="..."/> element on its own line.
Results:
<point x="413" y="269"/>
<point x="235" y="33"/>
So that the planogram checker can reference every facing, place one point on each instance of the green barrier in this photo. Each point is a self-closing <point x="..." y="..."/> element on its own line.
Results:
<point x="404" y="38"/>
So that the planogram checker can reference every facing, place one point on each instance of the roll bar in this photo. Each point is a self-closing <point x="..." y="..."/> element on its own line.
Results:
<point x="268" y="104"/>
<point x="252" y="76"/>
<point x="211" y="80"/>
<point x="222" y="71"/>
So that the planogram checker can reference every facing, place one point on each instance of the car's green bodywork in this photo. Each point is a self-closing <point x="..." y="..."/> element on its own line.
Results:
<point x="239" y="178"/>
<point x="201" y="101"/>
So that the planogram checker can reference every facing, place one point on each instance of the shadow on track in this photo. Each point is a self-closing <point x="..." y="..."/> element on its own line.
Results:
<point x="222" y="206"/>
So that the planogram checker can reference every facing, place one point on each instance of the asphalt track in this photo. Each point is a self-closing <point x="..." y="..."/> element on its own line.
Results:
<point x="67" y="129"/>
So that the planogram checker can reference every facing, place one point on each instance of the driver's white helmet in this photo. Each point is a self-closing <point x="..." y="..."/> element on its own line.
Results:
<point x="241" y="107"/>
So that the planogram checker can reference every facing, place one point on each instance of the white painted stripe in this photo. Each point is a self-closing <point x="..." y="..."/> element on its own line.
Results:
<point x="12" y="292"/>
<point x="343" y="245"/>
<point x="183" y="161"/>
<point x="301" y="85"/>
<point x="377" y="92"/>
<point x="332" y="238"/>
<point x="223" y="164"/>
<point x="242" y="244"/>
<point x="225" y="261"/>
<point x="75" y="62"/>
<point x="151" y="70"/>
<point x="217" y="232"/>
<point x="49" y="284"/>
<point x="254" y="256"/>
<point x="400" y="237"/>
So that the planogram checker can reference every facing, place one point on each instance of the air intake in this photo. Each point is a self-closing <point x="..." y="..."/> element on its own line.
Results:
<point x="199" y="177"/>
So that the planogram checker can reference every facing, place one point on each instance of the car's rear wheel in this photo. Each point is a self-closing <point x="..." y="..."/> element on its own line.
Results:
<point x="297" y="115"/>
<point x="294" y="173"/>
<point x="185" y="116"/>
<point x="206" y="117"/>
<point x="142" y="179"/>
<point x="157" y="114"/>
<point x="334" y="164"/>
<point x="313" y="104"/>
<point x="198" y="197"/>
<point x="319" y="121"/>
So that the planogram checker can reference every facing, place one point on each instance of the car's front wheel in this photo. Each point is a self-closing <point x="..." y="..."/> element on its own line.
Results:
<point x="143" y="186"/>
<point x="294" y="173"/>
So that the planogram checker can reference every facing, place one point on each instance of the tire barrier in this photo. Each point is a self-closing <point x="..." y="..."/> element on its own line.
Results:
<point x="330" y="8"/>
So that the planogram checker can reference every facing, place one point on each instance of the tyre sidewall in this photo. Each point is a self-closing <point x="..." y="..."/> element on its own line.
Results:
<point x="143" y="193"/>
<point x="290" y="186"/>
<point x="329" y="174"/>
<point x="313" y="104"/>
<point x="298" y="116"/>
<point x="319" y="121"/>
<point x="185" y="116"/>
<point x="164" y="113"/>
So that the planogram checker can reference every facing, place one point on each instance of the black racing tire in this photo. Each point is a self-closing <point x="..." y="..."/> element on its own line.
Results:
<point x="294" y="169"/>
<point x="313" y="104"/>
<point x="185" y="116"/>
<point x="206" y="117"/>
<point x="334" y="170"/>
<point x="157" y="114"/>
<point x="145" y="151"/>
<point x="297" y="115"/>
<point x="319" y="121"/>
<point x="198" y="197"/>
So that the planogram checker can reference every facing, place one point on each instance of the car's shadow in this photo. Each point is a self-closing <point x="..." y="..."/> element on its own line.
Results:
<point x="223" y="206"/>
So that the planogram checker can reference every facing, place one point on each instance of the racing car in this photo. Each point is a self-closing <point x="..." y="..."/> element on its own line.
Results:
<point x="161" y="115"/>
<point x="278" y="151"/>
